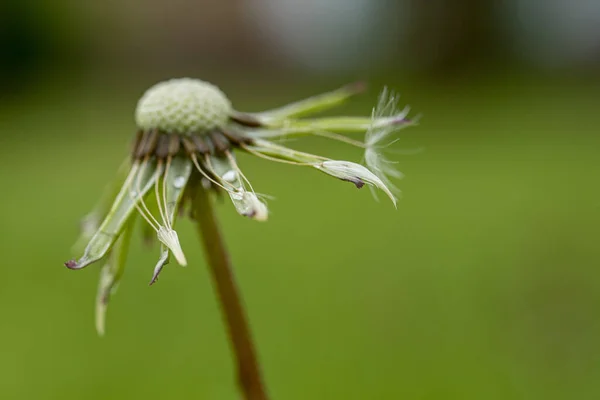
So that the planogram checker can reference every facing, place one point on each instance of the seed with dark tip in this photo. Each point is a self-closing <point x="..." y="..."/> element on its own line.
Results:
<point x="201" y="145"/>
<point x="154" y="278"/>
<point x="246" y="120"/>
<point x="219" y="141"/>
<point x="250" y="214"/>
<point x="147" y="144"/>
<point x="236" y="137"/>
<point x="71" y="264"/>
<point x="188" y="145"/>
<point x="174" y="145"/>
<point x="162" y="147"/>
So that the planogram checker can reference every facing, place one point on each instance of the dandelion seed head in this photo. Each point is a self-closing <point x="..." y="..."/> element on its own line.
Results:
<point x="186" y="142"/>
<point x="183" y="106"/>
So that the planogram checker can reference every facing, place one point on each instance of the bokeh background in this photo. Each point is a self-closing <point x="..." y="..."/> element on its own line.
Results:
<point x="484" y="284"/>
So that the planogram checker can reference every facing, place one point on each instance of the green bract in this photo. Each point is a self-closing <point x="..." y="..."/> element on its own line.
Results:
<point x="188" y="134"/>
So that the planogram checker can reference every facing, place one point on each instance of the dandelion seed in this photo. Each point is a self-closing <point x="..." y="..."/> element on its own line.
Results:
<point x="387" y="119"/>
<point x="355" y="173"/>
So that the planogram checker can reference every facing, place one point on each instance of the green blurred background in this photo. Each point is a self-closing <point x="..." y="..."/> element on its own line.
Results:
<point x="484" y="284"/>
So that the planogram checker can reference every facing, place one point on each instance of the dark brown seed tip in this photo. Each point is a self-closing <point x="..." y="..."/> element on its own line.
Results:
<point x="250" y="214"/>
<point x="71" y="264"/>
<point x="155" y="275"/>
<point x="359" y="183"/>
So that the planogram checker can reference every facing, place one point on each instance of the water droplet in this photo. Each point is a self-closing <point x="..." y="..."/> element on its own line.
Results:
<point x="230" y="176"/>
<point x="179" y="182"/>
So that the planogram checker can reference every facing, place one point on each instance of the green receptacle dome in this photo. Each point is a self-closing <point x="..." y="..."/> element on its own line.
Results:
<point x="183" y="106"/>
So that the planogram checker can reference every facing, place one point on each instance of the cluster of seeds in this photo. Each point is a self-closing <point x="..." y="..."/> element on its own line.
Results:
<point x="187" y="134"/>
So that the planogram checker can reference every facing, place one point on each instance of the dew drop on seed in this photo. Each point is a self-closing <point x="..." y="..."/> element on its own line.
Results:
<point x="230" y="176"/>
<point x="179" y="182"/>
<point x="237" y="196"/>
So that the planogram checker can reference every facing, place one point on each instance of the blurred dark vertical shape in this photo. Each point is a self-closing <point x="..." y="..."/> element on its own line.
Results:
<point x="448" y="35"/>
<point x="22" y="44"/>
<point x="37" y="39"/>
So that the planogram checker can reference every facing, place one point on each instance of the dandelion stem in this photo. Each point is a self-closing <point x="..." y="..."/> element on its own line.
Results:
<point x="248" y="370"/>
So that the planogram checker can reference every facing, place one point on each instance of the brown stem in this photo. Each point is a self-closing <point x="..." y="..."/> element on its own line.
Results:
<point x="249" y="376"/>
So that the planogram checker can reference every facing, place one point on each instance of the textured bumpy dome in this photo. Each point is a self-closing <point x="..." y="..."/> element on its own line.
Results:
<point x="183" y="106"/>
